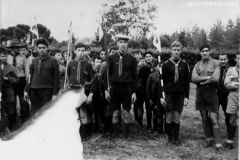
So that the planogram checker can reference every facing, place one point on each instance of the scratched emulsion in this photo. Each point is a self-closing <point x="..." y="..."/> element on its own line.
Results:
<point x="53" y="134"/>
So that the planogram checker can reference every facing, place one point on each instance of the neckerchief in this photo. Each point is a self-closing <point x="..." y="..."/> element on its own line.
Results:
<point x="79" y="70"/>
<point x="224" y="72"/>
<point x="176" y="76"/>
<point x="120" y="64"/>
<point x="40" y="62"/>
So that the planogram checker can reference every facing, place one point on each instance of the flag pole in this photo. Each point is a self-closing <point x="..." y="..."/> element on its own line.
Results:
<point x="106" y="50"/>
<point x="158" y="46"/>
<point x="69" y="52"/>
<point x="33" y="45"/>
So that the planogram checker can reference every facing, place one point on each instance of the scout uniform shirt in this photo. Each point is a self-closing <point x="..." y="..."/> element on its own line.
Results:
<point x="232" y="76"/>
<point x="20" y="63"/>
<point x="208" y="68"/>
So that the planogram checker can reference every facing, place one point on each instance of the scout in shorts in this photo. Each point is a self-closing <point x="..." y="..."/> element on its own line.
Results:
<point x="123" y="82"/>
<point x="80" y="74"/>
<point x="175" y="73"/>
<point x="232" y="83"/>
<point x="206" y="75"/>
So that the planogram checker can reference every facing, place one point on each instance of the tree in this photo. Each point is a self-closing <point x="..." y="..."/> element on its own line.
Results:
<point x="44" y="32"/>
<point x="236" y="35"/>
<point x="182" y="38"/>
<point x="130" y="17"/>
<point x="216" y="35"/>
<point x="199" y="36"/>
<point x="20" y="31"/>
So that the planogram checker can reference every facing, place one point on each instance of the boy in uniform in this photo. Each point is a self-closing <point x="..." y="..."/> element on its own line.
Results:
<point x="58" y="56"/>
<point x="45" y="80"/>
<point x="206" y="75"/>
<point x="19" y="61"/>
<point x="175" y="73"/>
<point x="123" y="82"/>
<point x="223" y="92"/>
<point x="143" y="73"/>
<point x="10" y="77"/>
<point x="80" y="74"/>
<point x="153" y="98"/>
<point x="232" y="83"/>
<point x="97" y="106"/>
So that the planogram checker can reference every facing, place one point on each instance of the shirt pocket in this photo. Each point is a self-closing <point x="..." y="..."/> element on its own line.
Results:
<point x="199" y="71"/>
<point x="210" y="71"/>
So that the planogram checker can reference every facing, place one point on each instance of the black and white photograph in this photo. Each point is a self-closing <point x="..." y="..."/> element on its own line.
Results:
<point x="119" y="79"/>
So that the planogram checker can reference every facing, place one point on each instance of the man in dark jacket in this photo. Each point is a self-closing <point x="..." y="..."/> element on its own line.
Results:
<point x="45" y="80"/>
<point x="123" y="82"/>
<point x="175" y="72"/>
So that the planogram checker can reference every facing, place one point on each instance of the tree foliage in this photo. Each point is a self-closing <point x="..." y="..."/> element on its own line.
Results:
<point x="21" y="31"/>
<point x="130" y="17"/>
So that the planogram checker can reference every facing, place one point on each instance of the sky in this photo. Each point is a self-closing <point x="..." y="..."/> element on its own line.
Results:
<point x="171" y="16"/>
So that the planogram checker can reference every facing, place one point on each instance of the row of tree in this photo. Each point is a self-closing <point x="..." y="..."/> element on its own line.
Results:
<point x="135" y="18"/>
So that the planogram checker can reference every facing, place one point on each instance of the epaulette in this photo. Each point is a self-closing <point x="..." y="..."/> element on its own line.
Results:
<point x="166" y="61"/>
<point x="183" y="61"/>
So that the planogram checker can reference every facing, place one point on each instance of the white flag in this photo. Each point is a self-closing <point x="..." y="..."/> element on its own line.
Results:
<point x="157" y="42"/>
<point x="34" y="29"/>
<point x="100" y="32"/>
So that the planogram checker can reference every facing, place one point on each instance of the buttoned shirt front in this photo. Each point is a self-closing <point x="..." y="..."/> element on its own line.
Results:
<point x="20" y="64"/>
<point x="208" y="68"/>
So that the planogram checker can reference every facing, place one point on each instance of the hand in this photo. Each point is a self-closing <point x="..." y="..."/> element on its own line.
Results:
<point x="107" y="96"/>
<point x="89" y="98"/>
<point x="134" y="98"/>
<point x="163" y="102"/>
<point x="54" y="97"/>
<point x="5" y="78"/>
<point x="155" y="107"/>
<point x="185" y="101"/>
<point x="150" y="102"/>
<point x="26" y="96"/>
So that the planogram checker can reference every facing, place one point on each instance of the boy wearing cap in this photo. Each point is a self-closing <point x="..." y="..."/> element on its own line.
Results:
<point x="175" y="73"/>
<point x="80" y="74"/>
<point x="19" y="61"/>
<point x="232" y="83"/>
<point x="123" y="82"/>
<point x="143" y="73"/>
<point x="206" y="75"/>
<point x="45" y="79"/>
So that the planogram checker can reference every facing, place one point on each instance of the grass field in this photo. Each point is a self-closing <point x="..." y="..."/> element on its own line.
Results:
<point x="142" y="145"/>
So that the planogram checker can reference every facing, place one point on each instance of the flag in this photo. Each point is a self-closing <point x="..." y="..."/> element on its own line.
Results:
<point x="28" y="38"/>
<point x="157" y="42"/>
<point x="100" y="33"/>
<point x="34" y="29"/>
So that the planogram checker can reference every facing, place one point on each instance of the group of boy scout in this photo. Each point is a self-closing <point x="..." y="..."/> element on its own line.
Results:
<point x="114" y="83"/>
